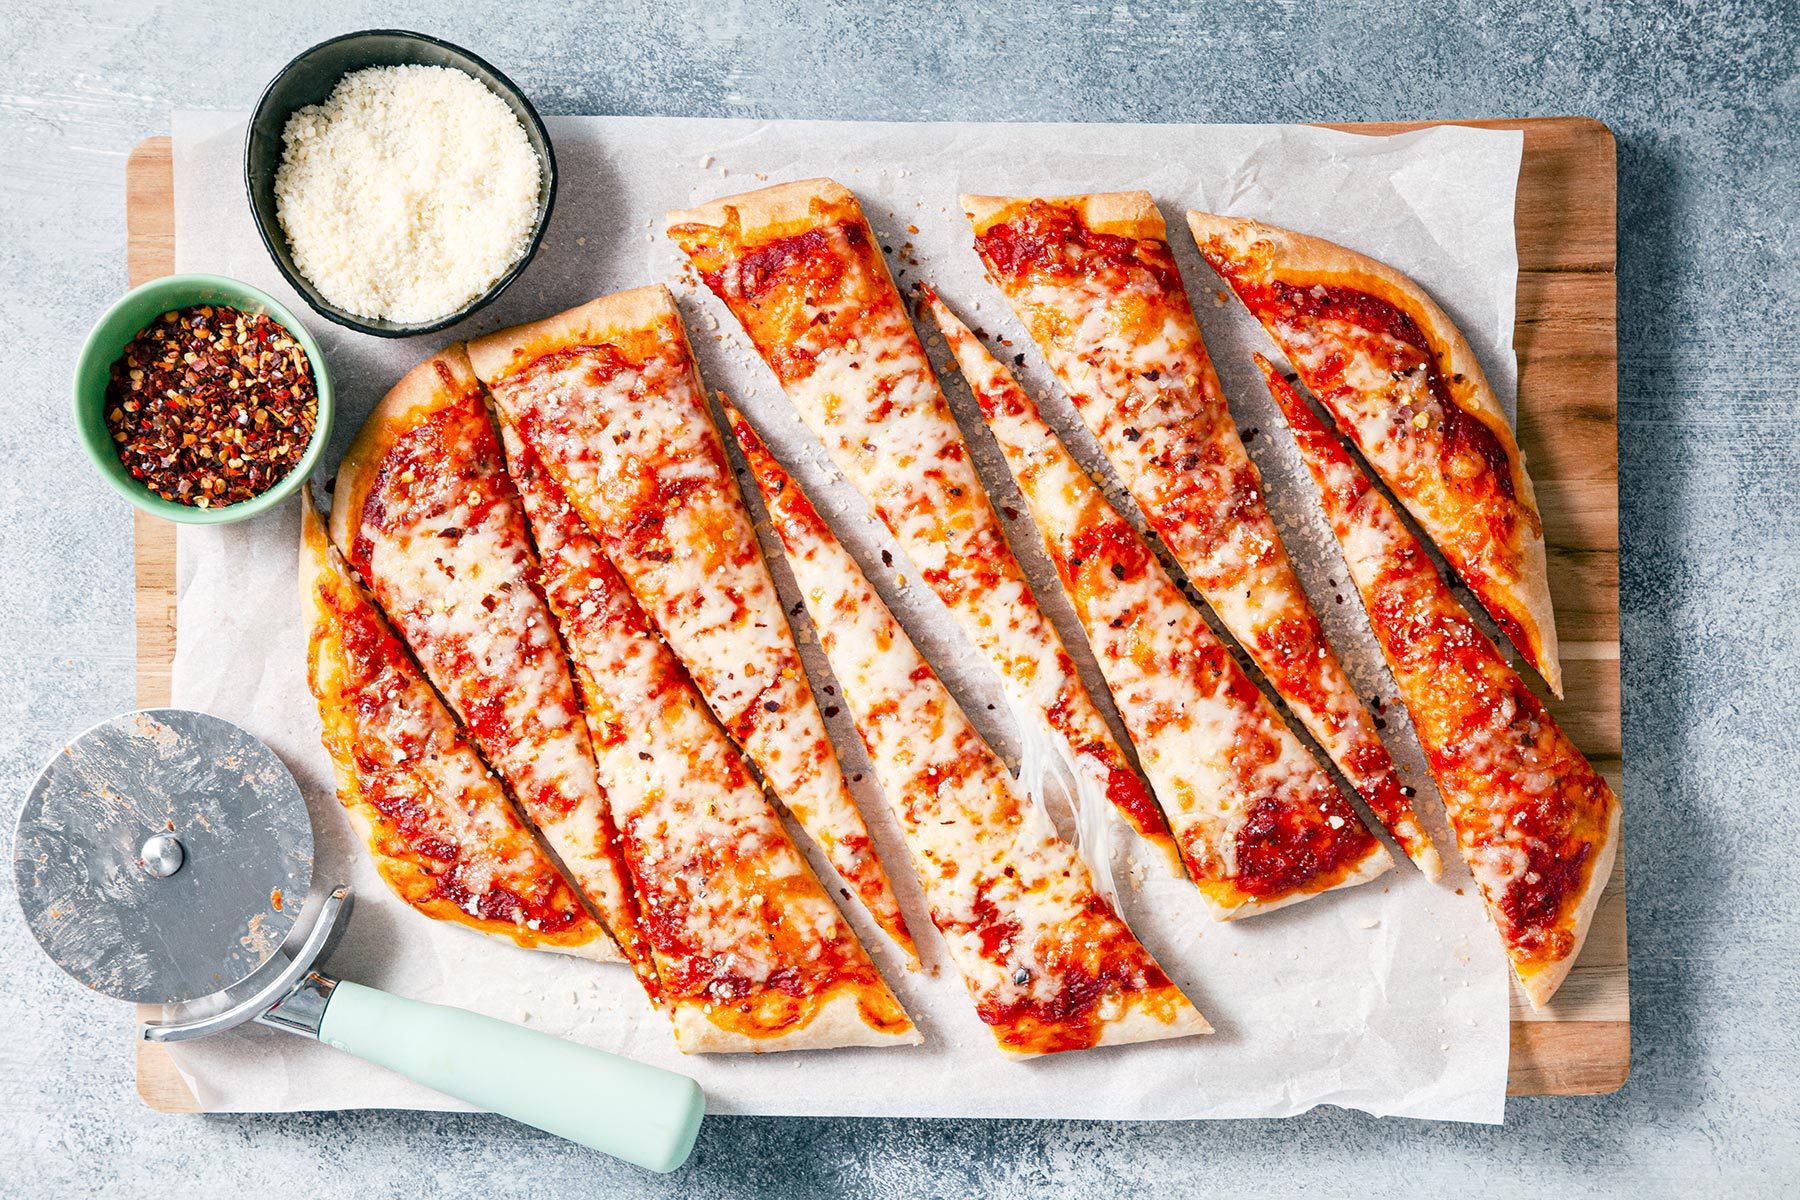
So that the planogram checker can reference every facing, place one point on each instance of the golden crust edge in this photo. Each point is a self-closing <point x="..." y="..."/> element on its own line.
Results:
<point x="320" y="562"/>
<point x="1376" y="863"/>
<point x="418" y="394"/>
<point x="1306" y="255"/>
<point x="1541" y="985"/>
<point x="838" y="1023"/>
<point x="494" y="356"/>
<point x="771" y="211"/>
<point x="1140" y="1022"/>
<point x="1123" y="214"/>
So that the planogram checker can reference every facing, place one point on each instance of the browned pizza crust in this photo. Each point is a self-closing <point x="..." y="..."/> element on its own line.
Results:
<point x="444" y="377"/>
<point x="1121" y="214"/>
<point x="1541" y="984"/>
<point x="773" y="212"/>
<point x="619" y="319"/>
<point x="1301" y="260"/>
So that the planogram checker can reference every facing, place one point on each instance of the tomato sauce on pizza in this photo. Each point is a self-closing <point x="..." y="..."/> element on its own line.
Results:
<point x="1537" y="825"/>
<point x="798" y="267"/>
<point x="1095" y="284"/>
<point x="1047" y="961"/>
<point x="1401" y="381"/>
<point x="1260" y="824"/>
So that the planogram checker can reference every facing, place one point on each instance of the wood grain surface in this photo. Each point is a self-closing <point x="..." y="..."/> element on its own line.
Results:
<point x="1567" y="343"/>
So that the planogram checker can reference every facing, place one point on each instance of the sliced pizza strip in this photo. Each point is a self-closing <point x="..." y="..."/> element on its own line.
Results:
<point x="1401" y="380"/>
<point x="1538" y="826"/>
<point x="608" y="398"/>
<point x="439" y="825"/>
<point x="799" y="268"/>
<point x="752" y="954"/>
<point x="1260" y="824"/>
<point x="425" y="513"/>
<point x="1047" y="961"/>
<point x="1094" y="282"/>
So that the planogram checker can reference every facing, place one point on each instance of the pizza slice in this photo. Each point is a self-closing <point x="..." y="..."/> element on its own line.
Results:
<point x="436" y="821"/>
<point x="752" y="954"/>
<point x="1536" y="823"/>
<point x="1094" y="282"/>
<point x="424" y="512"/>
<point x="799" y="268"/>
<point x="1259" y="823"/>
<point x="1047" y="961"/>
<point x="1402" y="381"/>
<point x="608" y="398"/>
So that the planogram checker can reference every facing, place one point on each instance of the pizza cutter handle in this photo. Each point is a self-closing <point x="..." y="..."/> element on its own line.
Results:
<point x="642" y="1114"/>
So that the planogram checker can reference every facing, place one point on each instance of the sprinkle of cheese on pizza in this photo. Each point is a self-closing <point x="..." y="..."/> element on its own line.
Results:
<point x="425" y="513"/>
<point x="751" y="953"/>
<point x="608" y="399"/>
<point x="1093" y="280"/>
<point x="1047" y="961"/>
<point x="438" y="824"/>
<point x="1536" y="823"/>
<point x="798" y="267"/>
<point x="1403" y="383"/>
<point x="1259" y="823"/>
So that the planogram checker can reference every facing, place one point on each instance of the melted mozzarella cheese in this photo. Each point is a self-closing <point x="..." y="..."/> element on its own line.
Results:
<point x="635" y="451"/>
<point x="1213" y="747"/>
<point x="867" y="391"/>
<point x="1009" y="897"/>
<point x="437" y="820"/>
<point x="442" y="543"/>
<point x="1133" y="362"/>
<point x="732" y="903"/>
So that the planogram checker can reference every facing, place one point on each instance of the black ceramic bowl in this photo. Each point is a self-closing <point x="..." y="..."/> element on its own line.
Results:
<point x="308" y="79"/>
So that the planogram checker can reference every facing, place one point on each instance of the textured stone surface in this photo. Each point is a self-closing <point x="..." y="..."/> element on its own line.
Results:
<point x="1705" y="100"/>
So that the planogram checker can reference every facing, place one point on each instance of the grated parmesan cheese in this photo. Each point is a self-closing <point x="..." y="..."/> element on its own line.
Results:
<point x="408" y="193"/>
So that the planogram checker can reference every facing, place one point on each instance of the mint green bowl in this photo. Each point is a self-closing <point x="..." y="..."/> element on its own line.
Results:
<point x="106" y="345"/>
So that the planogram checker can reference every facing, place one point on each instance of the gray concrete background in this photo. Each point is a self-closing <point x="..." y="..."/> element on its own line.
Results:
<point x="1705" y="100"/>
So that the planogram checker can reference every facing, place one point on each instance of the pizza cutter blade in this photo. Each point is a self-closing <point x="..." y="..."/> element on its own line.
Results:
<point x="164" y="857"/>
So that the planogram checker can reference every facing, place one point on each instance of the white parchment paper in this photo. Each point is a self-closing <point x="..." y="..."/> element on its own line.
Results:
<point x="1391" y="997"/>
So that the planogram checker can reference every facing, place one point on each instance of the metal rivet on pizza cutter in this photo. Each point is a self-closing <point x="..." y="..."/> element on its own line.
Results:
<point x="164" y="857"/>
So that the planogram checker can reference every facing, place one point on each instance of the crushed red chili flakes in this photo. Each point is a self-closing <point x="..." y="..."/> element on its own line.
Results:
<point x="211" y="406"/>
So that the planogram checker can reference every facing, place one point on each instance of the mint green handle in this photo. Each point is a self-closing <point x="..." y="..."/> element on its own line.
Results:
<point x="642" y="1114"/>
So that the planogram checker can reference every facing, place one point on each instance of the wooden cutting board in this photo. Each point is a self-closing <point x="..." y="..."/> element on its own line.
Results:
<point x="1567" y="343"/>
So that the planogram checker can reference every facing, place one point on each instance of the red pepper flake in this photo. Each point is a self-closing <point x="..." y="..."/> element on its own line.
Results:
<point x="211" y="406"/>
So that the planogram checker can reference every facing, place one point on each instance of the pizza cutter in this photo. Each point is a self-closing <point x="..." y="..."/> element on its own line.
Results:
<point x="165" y="857"/>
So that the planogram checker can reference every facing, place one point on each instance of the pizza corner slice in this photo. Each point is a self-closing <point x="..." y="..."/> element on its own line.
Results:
<point x="438" y="824"/>
<point x="1538" y="826"/>
<point x="609" y="400"/>
<point x="1095" y="284"/>
<point x="1260" y="824"/>
<point x="1046" y="960"/>
<point x="425" y="513"/>
<point x="752" y="954"/>
<point x="1400" y="379"/>
<point x="798" y="267"/>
